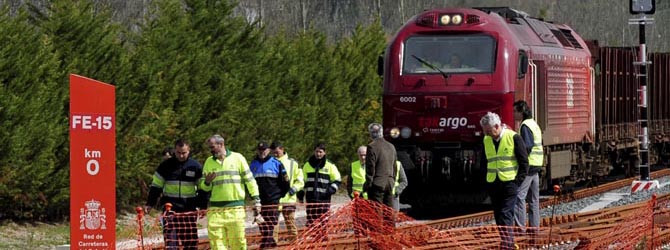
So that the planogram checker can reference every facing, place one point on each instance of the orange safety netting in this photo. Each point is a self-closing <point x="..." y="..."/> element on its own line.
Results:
<point x="362" y="224"/>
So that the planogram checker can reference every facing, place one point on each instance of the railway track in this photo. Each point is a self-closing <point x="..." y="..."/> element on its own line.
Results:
<point x="568" y="228"/>
<point x="472" y="219"/>
<point x="575" y="228"/>
<point x="572" y="229"/>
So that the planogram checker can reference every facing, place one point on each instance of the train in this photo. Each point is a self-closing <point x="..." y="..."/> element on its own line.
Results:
<point x="446" y="68"/>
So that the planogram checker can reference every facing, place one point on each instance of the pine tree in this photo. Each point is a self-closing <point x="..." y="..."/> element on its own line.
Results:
<point x="32" y="108"/>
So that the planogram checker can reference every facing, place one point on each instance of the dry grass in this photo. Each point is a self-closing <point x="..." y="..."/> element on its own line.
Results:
<point x="35" y="235"/>
<point x="39" y="235"/>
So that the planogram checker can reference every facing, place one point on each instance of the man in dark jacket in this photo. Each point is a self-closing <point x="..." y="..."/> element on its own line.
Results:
<point x="322" y="180"/>
<point x="176" y="179"/>
<point x="273" y="184"/>
<point x="380" y="167"/>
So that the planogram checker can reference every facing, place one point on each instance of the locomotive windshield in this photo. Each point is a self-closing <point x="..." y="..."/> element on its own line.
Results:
<point x="449" y="54"/>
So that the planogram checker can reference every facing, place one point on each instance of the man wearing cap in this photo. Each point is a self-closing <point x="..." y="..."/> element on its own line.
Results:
<point x="296" y="182"/>
<point x="273" y="184"/>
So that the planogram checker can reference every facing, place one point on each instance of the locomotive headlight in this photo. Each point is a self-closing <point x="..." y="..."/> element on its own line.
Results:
<point x="457" y="19"/>
<point x="445" y="19"/>
<point x="395" y="132"/>
<point x="642" y="6"/>
<point x="405" y="132"/>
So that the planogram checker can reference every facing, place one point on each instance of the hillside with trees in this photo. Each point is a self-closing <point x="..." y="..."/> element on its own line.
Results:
<point x="299" y="71"/>
<point x="603" y="20"/>
<point x="195" y="69"/>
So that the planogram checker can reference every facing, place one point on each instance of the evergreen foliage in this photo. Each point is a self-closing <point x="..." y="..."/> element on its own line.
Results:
<point x="193" y="70"/>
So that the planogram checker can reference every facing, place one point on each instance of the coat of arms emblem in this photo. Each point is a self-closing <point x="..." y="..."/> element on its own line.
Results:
<point x="93" y="217"/>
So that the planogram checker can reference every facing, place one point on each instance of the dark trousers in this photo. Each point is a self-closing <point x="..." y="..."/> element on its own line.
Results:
<point x="180" y="227"/>
<point x="383" y="195"/>
<point x="270" y="215"/>
<point x="503" y="199"/>
<point x="314" y="212"/>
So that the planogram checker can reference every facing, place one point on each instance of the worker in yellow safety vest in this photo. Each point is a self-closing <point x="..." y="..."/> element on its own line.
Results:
<point x="400" y="185"/>
<point x="226" y="174"/>
<point x="506" y="166"/>
<point x="357" y="177"/>
<point x="530" y="187"/>
<point x="296" y="182"/>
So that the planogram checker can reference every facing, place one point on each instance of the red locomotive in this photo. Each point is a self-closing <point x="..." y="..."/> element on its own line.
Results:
<point x="446" y="68"/>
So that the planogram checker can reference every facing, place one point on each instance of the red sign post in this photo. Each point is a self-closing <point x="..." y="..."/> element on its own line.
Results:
<point x="92" y="164"/>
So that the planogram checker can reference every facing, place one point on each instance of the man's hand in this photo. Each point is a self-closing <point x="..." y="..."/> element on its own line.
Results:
<point x="209" y="178"/>
<point x="258" y="219"/>
<point x="200" y="213"/>
<point x="257" y="209"/>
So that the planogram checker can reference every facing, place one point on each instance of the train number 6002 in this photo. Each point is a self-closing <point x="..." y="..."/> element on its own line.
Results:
<point x="408" y="99"/>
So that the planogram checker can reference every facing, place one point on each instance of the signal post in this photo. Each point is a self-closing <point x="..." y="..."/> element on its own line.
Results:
<point x="643" y="7"/>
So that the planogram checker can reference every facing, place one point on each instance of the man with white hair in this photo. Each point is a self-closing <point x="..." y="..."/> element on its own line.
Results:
<point x="380" y="167"/>
<point x="226" y="174"/>
<point x="506" y="166"/>
<point x="357" y="177"/>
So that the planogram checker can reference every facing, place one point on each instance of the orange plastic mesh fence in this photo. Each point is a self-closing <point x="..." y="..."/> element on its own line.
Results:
<point x="362" y="224"/>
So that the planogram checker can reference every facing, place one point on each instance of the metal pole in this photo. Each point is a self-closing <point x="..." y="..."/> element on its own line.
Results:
<point x="643" y="121"/>
<point x="642" y="93"/>
<point x="557" y="193"/>
<point x="140" y="219"/>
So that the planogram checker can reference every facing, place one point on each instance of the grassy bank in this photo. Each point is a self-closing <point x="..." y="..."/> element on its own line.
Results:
<point x="33" y="235"/>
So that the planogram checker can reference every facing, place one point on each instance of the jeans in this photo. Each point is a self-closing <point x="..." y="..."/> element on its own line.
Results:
<point x="529" y="190"/>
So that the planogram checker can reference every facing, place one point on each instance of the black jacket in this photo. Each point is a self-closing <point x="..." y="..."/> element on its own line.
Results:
<point x="322" y="187"/>
<point x="174" y="170"/>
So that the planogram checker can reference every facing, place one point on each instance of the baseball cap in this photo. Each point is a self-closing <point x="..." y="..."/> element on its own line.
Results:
<point x="262" y="145"/>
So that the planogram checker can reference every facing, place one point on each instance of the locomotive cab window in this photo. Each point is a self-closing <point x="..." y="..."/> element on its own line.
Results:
<point x="452" y="54"/>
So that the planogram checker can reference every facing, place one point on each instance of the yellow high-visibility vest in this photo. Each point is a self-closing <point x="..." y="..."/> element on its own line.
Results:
<point x="232" y="175"/>
<point x="358" y="178"/>
<point x="536" y="156"/>
<point x="501" y="164"/>
<point x="397" y="175"/>
<point x="295" y="178"/>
